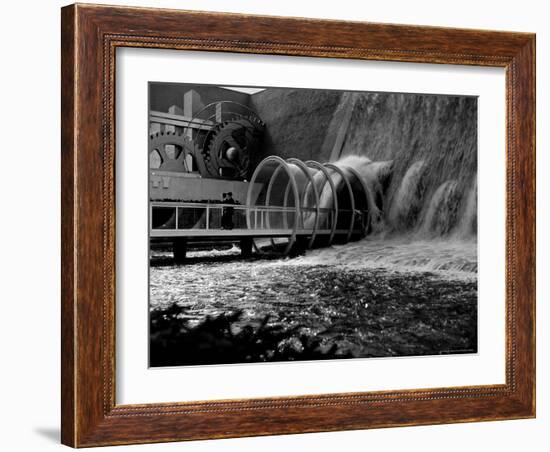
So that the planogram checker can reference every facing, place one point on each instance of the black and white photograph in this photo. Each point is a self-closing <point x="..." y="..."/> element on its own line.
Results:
<point x="292" y="224"/>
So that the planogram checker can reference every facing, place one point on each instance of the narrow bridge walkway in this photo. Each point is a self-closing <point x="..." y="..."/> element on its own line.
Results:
<point x="289" y="204"/>
<point x="203" y="222"/>
<point x="190" y="219"/>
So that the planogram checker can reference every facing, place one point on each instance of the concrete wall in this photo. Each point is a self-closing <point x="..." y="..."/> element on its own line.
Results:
<point x="406" y="128"/>
<point x="325" y="125"/>
<point x="163" y="95"/>
<point x="297" y="121"/>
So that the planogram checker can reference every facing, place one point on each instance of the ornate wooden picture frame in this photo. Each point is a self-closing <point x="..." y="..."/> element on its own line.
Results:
<point x="90" y="37"/>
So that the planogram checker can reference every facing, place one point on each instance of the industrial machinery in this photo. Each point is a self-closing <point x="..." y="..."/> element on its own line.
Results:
<point x="222" y="141"/>
<point x="279" y="206"/>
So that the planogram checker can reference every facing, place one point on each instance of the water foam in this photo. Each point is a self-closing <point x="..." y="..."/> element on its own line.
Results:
<point x="453" y="259"/>
<point x="421" y="222"/>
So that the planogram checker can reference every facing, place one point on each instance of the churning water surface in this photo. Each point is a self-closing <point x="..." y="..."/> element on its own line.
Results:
<point x="371" y="298"/>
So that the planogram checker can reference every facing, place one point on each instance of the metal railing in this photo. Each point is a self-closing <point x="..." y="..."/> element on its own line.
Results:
<point x="181" y="216"/>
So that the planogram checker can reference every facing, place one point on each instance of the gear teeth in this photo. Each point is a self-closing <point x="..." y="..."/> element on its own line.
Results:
<point x="256" y="121"/>
<point x="206" y="145"/>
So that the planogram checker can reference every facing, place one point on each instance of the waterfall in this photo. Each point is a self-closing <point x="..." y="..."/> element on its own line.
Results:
<point x="376" y="177"/>
<point x="416" y="204"/>
<point x="441" y="214"/>
<point x="408" y="199"/>
<point x="425" y="218"/>
<point x="467" y="226"/>
<point x="417" y="156"/>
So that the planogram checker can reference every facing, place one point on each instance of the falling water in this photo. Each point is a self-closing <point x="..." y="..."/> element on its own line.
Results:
<point x="425" y="220"/>
<point x="376" y="176"/>
<point x="440" y="216"/>
<point x="468" y="224"/>
<point x="407" y="202"/>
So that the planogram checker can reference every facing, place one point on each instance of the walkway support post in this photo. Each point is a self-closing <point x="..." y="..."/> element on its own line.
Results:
<point x="179" y="249"/>
<point x="246" y="246"/>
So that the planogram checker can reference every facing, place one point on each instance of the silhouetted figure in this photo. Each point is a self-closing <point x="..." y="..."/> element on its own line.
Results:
<point x="224" y="212"/>
<point x="229" y="200"/>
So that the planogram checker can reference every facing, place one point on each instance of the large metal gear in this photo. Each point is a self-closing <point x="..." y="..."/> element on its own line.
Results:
<point x="158" y="141"/>
<point x="227" y="146"/>
<point x="230" y="146"/>
<point x="227" y="149"/>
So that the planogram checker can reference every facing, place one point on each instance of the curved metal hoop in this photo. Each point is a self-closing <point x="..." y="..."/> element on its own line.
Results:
<point x="350" y="192"/>
<point x="368" y="197"/>
<point x="300" y="197"/>
<point x="306" y="171"/>
<point x="281" y="164"/>
<point x="318" y="166"/>
<point x="268" y="200"/>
